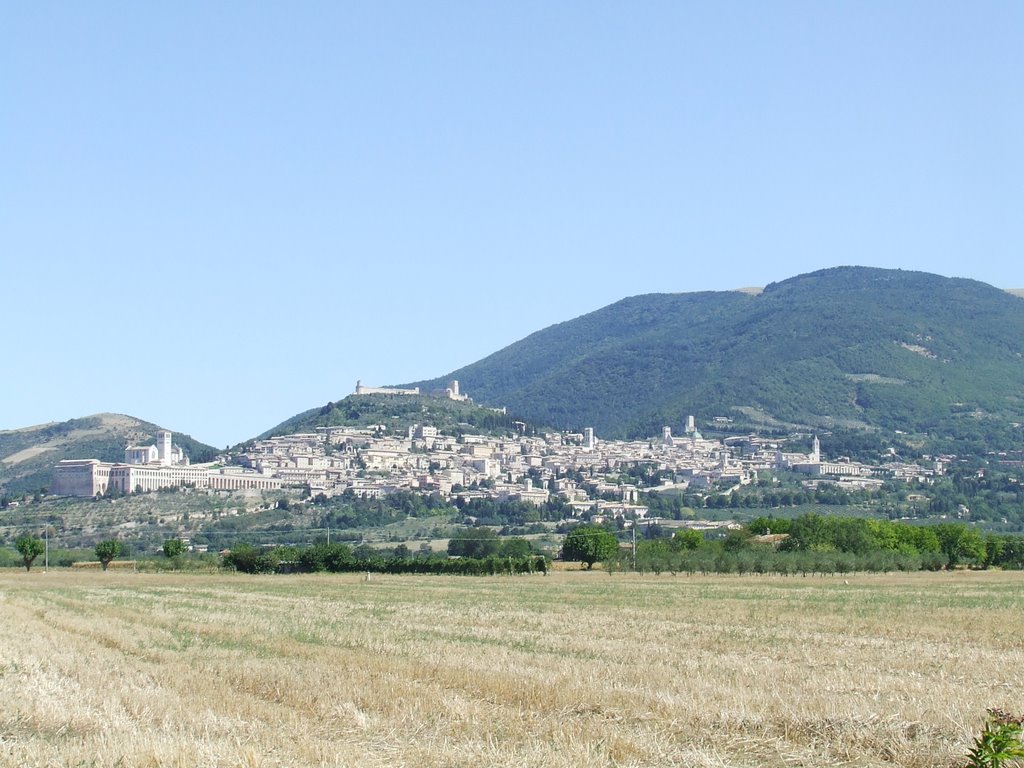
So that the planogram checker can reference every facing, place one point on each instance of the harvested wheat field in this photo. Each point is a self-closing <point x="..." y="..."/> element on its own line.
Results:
<point x="575" y="669"/>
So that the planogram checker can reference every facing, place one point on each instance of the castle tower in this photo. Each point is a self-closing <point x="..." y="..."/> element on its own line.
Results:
<point x="163" y="447"/>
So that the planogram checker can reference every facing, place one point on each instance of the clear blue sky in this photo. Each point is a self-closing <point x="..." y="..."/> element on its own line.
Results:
<point x="215" y="215"/>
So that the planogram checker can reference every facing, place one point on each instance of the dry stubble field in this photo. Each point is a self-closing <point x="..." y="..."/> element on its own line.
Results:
<point x="575" y="669"/>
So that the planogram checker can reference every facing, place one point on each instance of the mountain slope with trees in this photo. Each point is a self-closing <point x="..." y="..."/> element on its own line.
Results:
<point x="848" y="347"/>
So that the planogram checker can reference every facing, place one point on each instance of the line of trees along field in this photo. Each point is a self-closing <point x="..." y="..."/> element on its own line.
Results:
<point x="341" y="558"/>
<point x="815" y="543"/>
<point x="809" y="544"/>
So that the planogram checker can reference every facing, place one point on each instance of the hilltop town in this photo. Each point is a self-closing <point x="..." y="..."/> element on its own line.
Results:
<point x="588" y="474"/>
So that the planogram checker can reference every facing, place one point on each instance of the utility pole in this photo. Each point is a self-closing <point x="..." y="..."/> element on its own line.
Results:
<point x="634" y="545"/>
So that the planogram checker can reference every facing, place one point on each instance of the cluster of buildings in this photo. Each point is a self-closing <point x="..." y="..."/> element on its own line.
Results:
<point x="586" y="472"/>
<point x="150" y="468"/>
<point x="591" y="476"/>
<point x="759" y="453"/>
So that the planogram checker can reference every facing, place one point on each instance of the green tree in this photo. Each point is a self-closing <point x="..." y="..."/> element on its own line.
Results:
<point x="761" y="526"/>
<point x="174" y="548"/>
<point x="962" y="545"/>
<point x="993" y="549"/>
<point x="474" y="542"/>
<point x="334" y="557"/>
<point x="589" y="543"/>
<point x="107" y="551"/>
<point x="29" y="547"/>
<point x="516" y="547"/>
<point x="654" y="555"/>
<point x="737" y="540"/>
<point x="687" y="538"/>
<point x="809" y="532"/>
<point x="401" y="552"/>
<point x="247" y="559"/>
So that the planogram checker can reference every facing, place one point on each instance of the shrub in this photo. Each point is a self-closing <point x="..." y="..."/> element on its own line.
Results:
<point x="248" y="559"/>
<point x="999" y="743"/>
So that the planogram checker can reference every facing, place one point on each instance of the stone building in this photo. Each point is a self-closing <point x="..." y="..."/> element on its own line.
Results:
<point x="149" y="468"/>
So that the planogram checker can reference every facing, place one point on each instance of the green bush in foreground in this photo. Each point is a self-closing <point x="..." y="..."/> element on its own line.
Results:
<point x="1000" y="742"/>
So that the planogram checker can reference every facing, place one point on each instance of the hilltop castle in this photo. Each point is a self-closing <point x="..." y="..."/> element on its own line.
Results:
<point x="451" y="392"/>
<point x="361" y="390"/>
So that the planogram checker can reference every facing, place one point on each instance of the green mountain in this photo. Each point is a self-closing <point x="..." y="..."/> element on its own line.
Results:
<point x="27" y="456"/>
<point x="846" y="347"/>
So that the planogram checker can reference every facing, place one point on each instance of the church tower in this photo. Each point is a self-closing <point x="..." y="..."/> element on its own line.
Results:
<point x="163" y="447"/>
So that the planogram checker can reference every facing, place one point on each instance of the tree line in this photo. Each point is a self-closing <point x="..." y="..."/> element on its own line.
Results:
<point x="807" y="544"/>
<point x="341" y="558"/>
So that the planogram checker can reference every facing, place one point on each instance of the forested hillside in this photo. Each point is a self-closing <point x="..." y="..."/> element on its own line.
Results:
<point x="845" y="347"/>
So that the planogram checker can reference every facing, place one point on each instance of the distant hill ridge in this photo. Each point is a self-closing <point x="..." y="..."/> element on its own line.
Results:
<point x="848" y="346"/>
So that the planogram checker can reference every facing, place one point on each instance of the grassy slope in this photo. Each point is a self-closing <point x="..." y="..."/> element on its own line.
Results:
<point x="145" y="521"/>
<point x="577" y="669"/>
